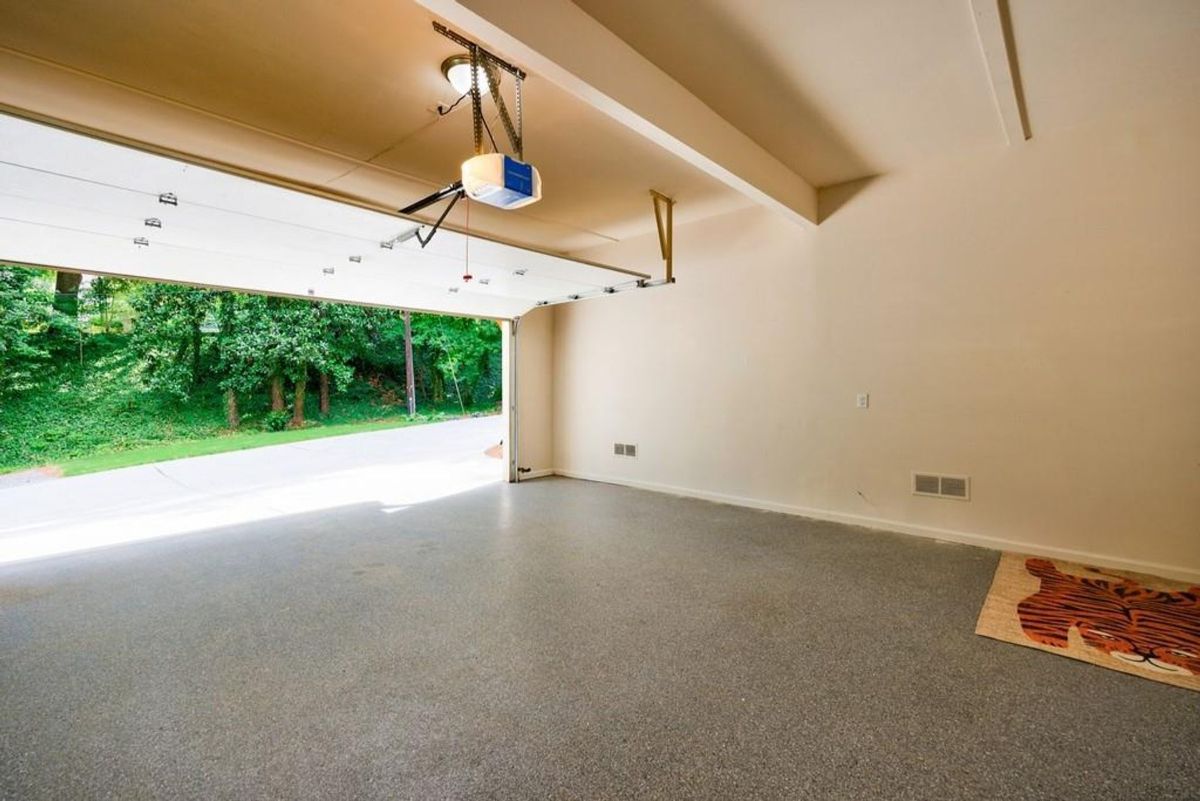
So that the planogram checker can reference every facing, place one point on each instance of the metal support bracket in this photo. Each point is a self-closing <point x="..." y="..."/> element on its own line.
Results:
<point x="489" y="63"/>
<point x="458" y="38"/>
<point x="454" y="191"/>
<point x="664" y="217"/>
<point x="424" y="240"/>
<point x="515" y="135"/>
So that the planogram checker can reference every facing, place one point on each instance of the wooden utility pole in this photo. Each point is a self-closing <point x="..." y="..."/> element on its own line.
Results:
<point x="410" y="389"/>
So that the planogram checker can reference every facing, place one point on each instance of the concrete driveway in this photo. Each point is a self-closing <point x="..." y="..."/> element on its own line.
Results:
<point x="395" y="468"/>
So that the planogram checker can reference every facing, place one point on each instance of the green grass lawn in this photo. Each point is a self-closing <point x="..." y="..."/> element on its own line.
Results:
<point x="83" y="421"/>
<point x="227" y="442"/>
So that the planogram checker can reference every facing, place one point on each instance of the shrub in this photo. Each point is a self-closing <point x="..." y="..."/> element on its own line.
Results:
<point x="276" y="421"/>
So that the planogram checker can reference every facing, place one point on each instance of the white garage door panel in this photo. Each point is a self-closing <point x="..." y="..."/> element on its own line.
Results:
<point x="105" y="254"/>
<point x="70" y="201"/>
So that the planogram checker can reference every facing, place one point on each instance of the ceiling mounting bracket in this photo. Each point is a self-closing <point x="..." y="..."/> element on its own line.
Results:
<point x="454" y="191"/>
<point x="489" y="63"/>
<point x="664" y="217"/>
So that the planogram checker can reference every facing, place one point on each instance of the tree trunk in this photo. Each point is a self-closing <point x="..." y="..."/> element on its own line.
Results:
<point x="66" y="292"/>
<point x="298" y="406"/>
<point x="410" y="385"/>
<point x="324" y="393"/>
<point x="196" y="353"/>
<point x="232" y="418"/>
<point x="277" y="404"/>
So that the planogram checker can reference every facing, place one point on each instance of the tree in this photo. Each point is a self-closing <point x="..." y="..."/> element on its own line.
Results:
<point x="236" y="366"/>
<point x="98" y="299"/>
<point x="167" y="335"/>
<point x="300" y="342"/>
<point x="345" y="329"/>
<point x="462" y="350"/>
<point x="391" y="346"/>
<point x="272" y="340"/>
<point x="156" y="361"/>
<point x="386" y="350"/>
<point x="286" y="339"/>
<point x="27" y="319"/>
<point x="246" y="352"/>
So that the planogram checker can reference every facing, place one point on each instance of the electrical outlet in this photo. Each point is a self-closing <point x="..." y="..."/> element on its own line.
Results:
<point x="862" y="400"/>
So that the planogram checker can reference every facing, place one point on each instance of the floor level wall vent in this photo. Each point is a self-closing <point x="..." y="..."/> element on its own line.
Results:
<point x="940" y="486"/>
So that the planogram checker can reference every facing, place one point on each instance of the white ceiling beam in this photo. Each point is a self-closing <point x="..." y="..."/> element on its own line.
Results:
<point x="556" y="40"/>
<point x="994" y="29"/>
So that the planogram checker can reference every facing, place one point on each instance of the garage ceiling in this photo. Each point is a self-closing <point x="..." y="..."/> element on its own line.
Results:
<point x="342" y="96"/>
<point x="842" y="90"/>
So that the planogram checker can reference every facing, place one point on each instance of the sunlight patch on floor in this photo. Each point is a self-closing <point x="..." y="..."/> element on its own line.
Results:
<point x="393" y="487"/>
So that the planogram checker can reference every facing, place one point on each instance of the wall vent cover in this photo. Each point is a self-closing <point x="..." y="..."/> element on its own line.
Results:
<point x="925" y="484"/>
<point x="954" y="487"/>
<point x="618" y="449"/>
<point x="939" y="486"/>
<point x="631" y="450"/>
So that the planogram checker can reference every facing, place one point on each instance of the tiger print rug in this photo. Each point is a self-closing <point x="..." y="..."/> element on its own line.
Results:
<point x="1138" y="624"/>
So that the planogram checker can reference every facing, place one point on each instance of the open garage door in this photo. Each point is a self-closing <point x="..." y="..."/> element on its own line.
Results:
<point x="73" y="202"/>
<point x="70" y="201"/>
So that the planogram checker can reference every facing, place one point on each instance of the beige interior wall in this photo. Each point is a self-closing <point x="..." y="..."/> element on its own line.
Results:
<point x="535" y="386"/>
<point x="1027" y="316"/>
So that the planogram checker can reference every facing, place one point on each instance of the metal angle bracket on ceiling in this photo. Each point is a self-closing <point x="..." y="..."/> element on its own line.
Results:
<point x="664" y="218"/>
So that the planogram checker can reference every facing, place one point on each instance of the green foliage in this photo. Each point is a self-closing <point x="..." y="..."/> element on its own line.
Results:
<point x="467" y="354"/>
<point x="96" y="407"/>
<point x="276" y="421"/>
<point x="96" y="411"/>
<point x="74" y="389"/>
<point x="292" y="338"/>
<point x="243" y="340"/>
<point x="30" y="328"/>
<point x="346" y="329"/>
<point x="167" y="337"/>
<point x="262" y="337"/>
<point x="103" y="301"/>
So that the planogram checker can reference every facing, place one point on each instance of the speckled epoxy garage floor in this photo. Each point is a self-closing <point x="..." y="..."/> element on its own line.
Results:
<point x="559" y="639"/>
